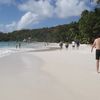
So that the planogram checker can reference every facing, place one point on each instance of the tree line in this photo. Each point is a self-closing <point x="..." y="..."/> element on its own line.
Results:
<point x="85" y="30"/>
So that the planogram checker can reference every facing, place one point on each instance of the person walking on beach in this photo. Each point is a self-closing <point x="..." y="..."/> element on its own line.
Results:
<point x="77" y="44"/>
<point x="96" y="45"/>
<point x="73" y="44"/>
<point x="66" y="45"/>
<point x="61" y="44"/>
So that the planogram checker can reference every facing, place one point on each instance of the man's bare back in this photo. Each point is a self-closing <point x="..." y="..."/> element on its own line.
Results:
<point x="96" y="43"/>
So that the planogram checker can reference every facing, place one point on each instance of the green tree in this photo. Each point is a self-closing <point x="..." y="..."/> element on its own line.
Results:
<point x="89" y="24"/>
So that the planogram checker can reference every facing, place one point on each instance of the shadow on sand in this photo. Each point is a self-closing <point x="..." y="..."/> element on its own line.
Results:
<point x="45" y="49"/>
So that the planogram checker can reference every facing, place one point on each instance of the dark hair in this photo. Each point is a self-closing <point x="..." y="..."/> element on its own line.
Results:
<point x="98" y="35"/>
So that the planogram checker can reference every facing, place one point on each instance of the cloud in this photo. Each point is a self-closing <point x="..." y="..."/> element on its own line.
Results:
<point x="61" y="8"/>
<point x="68" y="8"/>
<point x="8" y="27"/>
<point x="39" y="10"/>
<point x="42" y="8"/>
<point x="27" y="19"/>
<point x="36" y="10"/>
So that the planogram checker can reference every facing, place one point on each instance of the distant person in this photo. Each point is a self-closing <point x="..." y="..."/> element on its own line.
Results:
<point x="67" y="45"/>
<point x="61" y="44"/>
<point x="29" y="39"/>
<point x="19" y="45"/>
<point x="24" y="40"/>
<point x="73" y="44"/>
<point x="16" y="46"/>
<point x="96" y="45"/>
<point x="77" y="44"/>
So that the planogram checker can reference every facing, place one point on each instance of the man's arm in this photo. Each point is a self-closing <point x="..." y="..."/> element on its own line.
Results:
<point x="94" y="44"/>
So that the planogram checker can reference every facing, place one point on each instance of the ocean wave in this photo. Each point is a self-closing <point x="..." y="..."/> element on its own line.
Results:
<point x="5" y="52"/>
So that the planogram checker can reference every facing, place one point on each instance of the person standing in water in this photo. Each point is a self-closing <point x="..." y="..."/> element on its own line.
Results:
<point x="96" y="44"/>
<point x="19" y="45"/>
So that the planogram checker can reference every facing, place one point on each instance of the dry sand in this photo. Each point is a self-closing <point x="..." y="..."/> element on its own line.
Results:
<point x="56" y="74"/>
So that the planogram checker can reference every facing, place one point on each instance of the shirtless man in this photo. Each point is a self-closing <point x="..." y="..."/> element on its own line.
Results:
<point x="96" y="45"/>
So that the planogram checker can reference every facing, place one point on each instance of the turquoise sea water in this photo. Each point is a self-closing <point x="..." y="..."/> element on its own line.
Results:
<point x="23" y="44"/>
<point x="7" y="44"/>
<point x="10" y="47"/>
<point x="13" y="44"/>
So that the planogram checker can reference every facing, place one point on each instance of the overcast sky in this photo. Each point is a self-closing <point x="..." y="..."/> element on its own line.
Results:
<point x="31" y="14"/>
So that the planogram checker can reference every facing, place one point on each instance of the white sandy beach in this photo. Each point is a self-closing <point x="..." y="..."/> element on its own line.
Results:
<point x="50" y="75"/>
